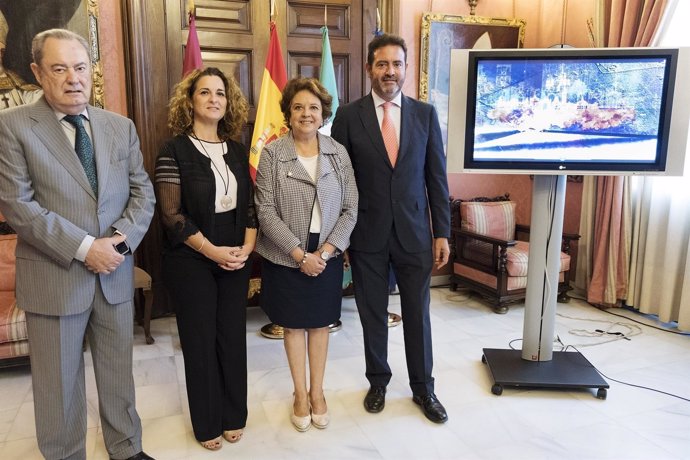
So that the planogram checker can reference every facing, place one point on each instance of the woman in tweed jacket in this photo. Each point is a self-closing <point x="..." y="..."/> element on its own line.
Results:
<point x="306" y="200"/>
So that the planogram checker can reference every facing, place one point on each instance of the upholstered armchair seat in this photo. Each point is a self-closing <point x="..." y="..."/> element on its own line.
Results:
<point x="490" y="252"/>
<point x="14" y="340"/>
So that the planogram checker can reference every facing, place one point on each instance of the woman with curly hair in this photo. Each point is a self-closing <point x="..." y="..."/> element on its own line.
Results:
<point x="206" y="205"/>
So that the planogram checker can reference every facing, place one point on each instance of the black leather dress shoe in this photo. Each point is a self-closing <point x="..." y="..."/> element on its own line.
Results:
<point x="432" y="407"/>
<point x="140" y="456"/>
<point x="375" y="400"/>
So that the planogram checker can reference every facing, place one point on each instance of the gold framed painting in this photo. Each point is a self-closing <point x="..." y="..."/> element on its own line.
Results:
<point x="17" y="83"/>
<point x="443" y="32"/>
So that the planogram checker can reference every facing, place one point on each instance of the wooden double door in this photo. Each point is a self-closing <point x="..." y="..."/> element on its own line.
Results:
<point x="233" y="36"/>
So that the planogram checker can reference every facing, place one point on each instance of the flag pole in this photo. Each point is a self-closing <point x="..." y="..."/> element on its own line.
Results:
<point x="192" y="51"/>
<point x="327" y="73"/>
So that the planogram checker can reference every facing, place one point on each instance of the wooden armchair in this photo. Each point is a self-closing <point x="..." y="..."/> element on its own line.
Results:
<point x="14" y="340"/>
<point x="490" y="252"/>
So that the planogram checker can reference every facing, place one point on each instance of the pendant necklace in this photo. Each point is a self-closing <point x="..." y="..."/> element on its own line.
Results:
<point x="225" y="200"/>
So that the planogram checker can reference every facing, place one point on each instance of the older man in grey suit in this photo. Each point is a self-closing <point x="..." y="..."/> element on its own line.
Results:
<point x="73" y="186"/>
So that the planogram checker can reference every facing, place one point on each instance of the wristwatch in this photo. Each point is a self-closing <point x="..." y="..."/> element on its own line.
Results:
<point x="325" y="255"/>
<point x="122" y="247"/>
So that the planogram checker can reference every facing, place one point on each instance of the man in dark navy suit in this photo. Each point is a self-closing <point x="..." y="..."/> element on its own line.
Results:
<point x="403" y="220"/>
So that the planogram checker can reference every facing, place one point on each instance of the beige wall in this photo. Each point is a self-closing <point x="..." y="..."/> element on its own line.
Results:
<point x="543" y="23"/>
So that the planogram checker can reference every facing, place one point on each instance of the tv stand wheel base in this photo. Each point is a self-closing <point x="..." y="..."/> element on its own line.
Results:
<point x="601" y="393"/>
<point x="497" y="389"/>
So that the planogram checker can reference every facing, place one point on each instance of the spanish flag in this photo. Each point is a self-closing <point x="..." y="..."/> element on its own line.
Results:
<point x="269" y="124"/>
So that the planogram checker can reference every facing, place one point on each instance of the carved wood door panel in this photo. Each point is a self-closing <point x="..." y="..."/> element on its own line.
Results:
<point x="304" y="41"/>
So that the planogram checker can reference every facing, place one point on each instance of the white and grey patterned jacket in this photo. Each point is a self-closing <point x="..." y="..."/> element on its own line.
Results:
<point x="285" y="196"/>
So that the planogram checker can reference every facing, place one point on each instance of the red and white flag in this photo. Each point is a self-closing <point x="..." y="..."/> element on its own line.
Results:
<point x="192" y="52"/>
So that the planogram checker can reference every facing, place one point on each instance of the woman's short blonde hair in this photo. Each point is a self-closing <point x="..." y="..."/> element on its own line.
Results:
<point x="294" y="86"/>
<point x="181" y="110"/>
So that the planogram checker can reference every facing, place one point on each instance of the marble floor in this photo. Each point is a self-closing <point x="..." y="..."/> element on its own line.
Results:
<point x="632" y="423"/>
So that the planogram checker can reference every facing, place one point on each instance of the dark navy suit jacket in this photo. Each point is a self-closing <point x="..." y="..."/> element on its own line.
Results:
<point x="406" y="197"/>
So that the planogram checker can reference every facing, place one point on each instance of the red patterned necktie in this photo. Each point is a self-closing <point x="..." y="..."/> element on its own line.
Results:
<point x="390" y="138"/>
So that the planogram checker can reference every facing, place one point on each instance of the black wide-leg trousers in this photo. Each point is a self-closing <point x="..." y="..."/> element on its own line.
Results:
<point x="211" y="321"/>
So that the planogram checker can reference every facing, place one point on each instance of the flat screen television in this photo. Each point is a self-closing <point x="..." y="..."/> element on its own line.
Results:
<point x="603" y="111"/>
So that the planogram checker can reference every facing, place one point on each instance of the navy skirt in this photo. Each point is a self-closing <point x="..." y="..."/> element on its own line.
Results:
<point x="294" y="300"/>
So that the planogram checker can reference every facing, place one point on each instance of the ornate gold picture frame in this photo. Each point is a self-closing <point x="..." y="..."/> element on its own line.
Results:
<point x="96" y="67"/>
<point x="443" y="32"/>
<point x="17" y="83"/>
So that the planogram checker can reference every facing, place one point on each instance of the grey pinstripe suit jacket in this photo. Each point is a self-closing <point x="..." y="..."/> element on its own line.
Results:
<point x="46" y="198"/>
<point x="285" y="195"/>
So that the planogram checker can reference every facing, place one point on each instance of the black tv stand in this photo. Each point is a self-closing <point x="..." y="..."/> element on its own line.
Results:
<point x="565" y="371"/>
<point x="536" y="365"/>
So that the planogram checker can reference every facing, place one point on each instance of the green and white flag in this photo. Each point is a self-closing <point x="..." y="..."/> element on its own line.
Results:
<point x="327" y="78"/>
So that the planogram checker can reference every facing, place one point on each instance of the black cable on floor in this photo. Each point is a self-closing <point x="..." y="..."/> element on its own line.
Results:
<point x="643" y="323"/>
<point x="627" y="383"/>
<point x="440" y="286"/>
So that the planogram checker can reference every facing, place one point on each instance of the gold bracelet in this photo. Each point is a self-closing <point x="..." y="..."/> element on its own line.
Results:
<point x="202" y="245"/>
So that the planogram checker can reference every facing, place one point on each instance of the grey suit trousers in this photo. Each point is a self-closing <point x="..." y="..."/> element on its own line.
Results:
<point x="57" y="373"/>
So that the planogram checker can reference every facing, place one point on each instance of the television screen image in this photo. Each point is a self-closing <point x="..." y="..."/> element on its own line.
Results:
<point x="577" y="109"/>
<point x="565" y="110"/>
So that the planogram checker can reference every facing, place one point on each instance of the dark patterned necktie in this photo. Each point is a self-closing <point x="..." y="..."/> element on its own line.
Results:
<point x="84" y="150"/>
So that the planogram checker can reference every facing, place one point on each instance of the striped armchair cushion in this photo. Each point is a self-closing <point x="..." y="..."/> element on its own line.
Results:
<point x="495" y="219"/>
<point x="12" y="320"/>
<point x="517" y="258"/>
<point x="8" y="243"/>
<point x="14" y="349"/>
